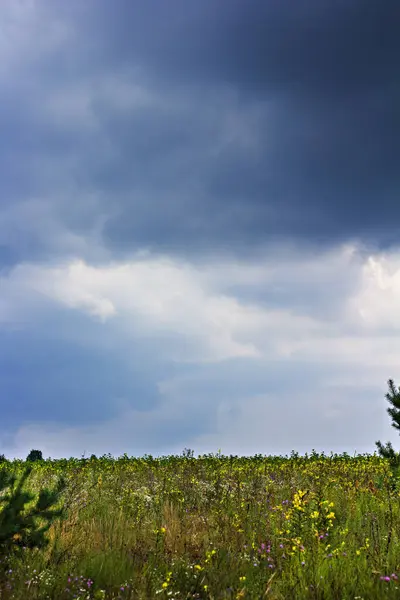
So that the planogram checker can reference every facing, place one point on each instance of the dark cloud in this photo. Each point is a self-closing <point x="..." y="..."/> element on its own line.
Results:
<point x="315" y="83"/>
<point x="325" y="75"/>
<point x="323" y="48"/>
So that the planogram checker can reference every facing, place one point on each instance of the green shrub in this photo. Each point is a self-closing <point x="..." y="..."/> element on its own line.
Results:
<point x="21" y="526"/>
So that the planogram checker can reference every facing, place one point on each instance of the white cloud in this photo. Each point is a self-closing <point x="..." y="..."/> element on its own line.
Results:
<point x="163" y="295"/>
<point x="147" y="297"/>
<point x="377" y="299"/>
<point x="160" y="294"/>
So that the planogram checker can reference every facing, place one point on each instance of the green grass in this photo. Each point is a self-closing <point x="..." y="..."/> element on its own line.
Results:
<point x="215" y="528"/>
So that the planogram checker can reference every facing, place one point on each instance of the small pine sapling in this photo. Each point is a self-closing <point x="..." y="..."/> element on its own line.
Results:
<point x="21" y="527"/>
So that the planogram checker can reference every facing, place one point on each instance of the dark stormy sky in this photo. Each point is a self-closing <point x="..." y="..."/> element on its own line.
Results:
<point x="199" y="225"/>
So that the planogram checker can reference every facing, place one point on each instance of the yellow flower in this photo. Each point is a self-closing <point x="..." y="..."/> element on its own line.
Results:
<point x="243" y="578"/>
<point x="198" y="567"/>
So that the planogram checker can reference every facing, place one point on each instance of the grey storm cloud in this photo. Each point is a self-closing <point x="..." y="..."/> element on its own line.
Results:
<point x="312" y="90"/>
<point x="325" y="81"/>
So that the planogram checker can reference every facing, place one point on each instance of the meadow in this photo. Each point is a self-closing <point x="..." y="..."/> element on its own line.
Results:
<point x="213" y="527"/>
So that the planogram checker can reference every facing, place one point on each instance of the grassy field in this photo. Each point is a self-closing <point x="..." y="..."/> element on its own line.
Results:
<point x="215" y="527"/>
